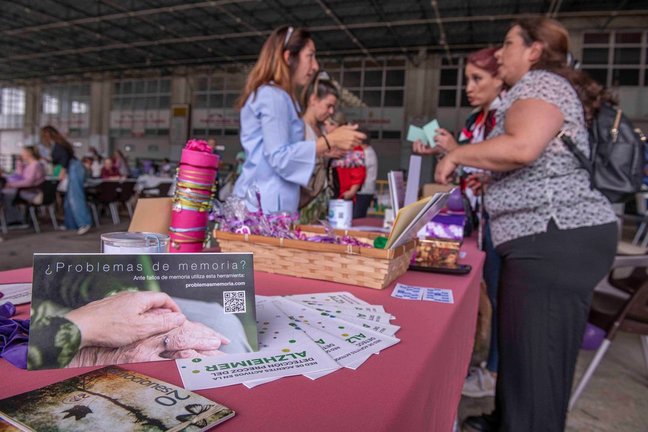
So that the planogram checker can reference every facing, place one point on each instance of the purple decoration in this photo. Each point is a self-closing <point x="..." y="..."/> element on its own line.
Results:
<point x="14" y="336"/>
<point x="7" y="310"/>
<point x="592" y="338"/>
<point x="455" y="202"/>
<point x="233" y="216"/>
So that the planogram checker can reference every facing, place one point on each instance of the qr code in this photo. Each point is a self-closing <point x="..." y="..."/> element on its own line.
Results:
<point x="234" y="302"/>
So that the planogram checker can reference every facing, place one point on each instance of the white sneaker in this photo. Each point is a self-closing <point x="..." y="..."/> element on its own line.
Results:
<point x="84" y="229"/>
<point x="479" y="383"/>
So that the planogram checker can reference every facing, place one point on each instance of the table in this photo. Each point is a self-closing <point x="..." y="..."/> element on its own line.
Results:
<point x="412" y="386"/>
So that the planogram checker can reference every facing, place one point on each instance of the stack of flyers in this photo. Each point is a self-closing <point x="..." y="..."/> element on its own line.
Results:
<point x="311" y="335"/>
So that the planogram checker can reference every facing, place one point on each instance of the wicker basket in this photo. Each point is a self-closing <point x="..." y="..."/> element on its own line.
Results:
<point x="368" y="267"/>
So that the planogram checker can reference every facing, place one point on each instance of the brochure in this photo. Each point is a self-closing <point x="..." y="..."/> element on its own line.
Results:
<point x="410" y="219"/>
<point x="396" y="189"/>
<point x="424" y="134"/>
<point x="100" y="309"/>
<point x="112" y="398"/>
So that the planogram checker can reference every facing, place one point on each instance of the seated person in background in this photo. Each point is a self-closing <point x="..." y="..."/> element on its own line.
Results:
<point x="109" y="171"/>
<point x="25" y="185"/>
<point x="87" y="165"/>
<point x="351" y="173"/>
<point x="368" y="189"/>
<point x="166" y="169"/>
<point x="120" y="162"/>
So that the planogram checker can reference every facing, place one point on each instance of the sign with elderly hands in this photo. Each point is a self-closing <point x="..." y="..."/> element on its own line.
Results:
<point x="102" y="309"/>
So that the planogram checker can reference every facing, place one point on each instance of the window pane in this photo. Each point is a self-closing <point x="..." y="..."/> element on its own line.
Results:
<point x="127" y="87"/>
<point x="448" y="77"/>
<point x="599" y="75"/>
<point x="595" y="56"/>
<point x="126" y="103"/>
<point x="391" y="134"/>
<point x="152" y="86"/>
<point x="395" y="62"/>
<point x="395" y="78"/>
<point x="201" y="101"/>
<point x="217" y="83"/>
<point x="230" y="100"/>
<point x="165" y="102"/>
<point x="351" y="79"/>
<point x="116" y="104"/>
<point x="627" y="38"/>
<point x="596" y="38"/>
<point x="630" y="56"/>
<point x="374" y="134"/>
<point x="202" y="84"/>
<point x="625" y="77"/>
<point x="231" y="132"/>
<point x="117" y="87"/>
<point x="140" y="87"/>
<point x="394" y="98"/>
<point x="152" y="103"/>
<point x="464" y="99"/>
<point x="165" y="86"/>
<point x="371" y="98"/>
<point x="447" y="98"/>
<point x="215" y="100"/>
<point x="139" y="103"/>
<point x="373" y="78"/>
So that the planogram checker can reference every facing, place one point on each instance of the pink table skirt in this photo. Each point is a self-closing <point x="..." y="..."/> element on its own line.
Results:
<point x="412" y="386"/>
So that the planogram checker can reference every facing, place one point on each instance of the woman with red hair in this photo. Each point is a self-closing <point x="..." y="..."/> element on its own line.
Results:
<point x="484" y="90"/>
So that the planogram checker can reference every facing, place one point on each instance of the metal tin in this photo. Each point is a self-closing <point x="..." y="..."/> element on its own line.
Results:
<point x="134" y="243"/>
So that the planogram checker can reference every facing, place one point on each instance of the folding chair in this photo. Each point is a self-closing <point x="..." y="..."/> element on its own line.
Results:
<point x="105" y="194"/>
<point x="48" y="189"/>
<point x="614" y="313"/>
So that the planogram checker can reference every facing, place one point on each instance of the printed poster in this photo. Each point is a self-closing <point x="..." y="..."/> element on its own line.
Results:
<point x="100" y="309"/>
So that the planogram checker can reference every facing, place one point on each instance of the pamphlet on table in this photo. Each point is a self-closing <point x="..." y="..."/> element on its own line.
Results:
<point x="311" y="335"/>
<point x="99" y="309"/>
<point x="112" y="398"/>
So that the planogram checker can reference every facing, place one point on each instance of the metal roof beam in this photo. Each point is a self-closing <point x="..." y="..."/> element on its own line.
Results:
<point x="315" y="29"/>
<point x="121" y="15"/>
<point x="345" y="29"/>
<point x="381" y="14"/>
<point x="174" y="34"/>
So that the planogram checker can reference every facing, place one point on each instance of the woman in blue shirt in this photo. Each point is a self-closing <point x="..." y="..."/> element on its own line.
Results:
<point x="278" y="159"/>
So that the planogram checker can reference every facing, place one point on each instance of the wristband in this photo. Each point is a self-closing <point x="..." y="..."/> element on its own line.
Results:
<point x="328" y="145"/>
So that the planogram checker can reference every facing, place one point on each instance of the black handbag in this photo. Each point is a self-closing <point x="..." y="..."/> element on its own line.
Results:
<point x="616" y="162"/>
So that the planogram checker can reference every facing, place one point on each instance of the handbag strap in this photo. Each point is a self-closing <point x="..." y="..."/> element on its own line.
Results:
<point x="586" y="164"/>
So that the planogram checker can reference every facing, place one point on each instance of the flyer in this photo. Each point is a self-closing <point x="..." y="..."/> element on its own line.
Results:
<point x="99" y="309"/>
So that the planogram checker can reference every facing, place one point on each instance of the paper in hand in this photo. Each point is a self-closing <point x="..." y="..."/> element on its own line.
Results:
<point x="416" y="133"/>
<point x="430" y="130"/>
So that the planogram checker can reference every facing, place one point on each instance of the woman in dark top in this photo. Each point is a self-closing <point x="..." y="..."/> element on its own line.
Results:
<point x="77" y="215"/>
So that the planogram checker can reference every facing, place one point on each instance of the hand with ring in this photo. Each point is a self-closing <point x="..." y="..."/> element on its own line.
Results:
<point x="192" y="339"/>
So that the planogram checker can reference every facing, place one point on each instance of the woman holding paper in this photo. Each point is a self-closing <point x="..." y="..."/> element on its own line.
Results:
<point x="556" y="235"/>
<point x="484" y="92"/>
<point x="320" y="99"/>
<point x="278" y="158"/>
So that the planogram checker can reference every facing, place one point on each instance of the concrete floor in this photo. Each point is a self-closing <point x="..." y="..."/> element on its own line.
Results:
<point x="616" y="398"/>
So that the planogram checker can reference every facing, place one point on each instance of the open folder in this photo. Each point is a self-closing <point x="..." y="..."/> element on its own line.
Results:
<point x="411" y="218"/>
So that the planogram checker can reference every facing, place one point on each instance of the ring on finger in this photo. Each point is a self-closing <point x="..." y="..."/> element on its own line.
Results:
<point x="166" y="341"/>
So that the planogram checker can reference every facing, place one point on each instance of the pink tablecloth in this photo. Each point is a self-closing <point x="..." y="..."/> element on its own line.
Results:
<point x="413" y="386"/>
